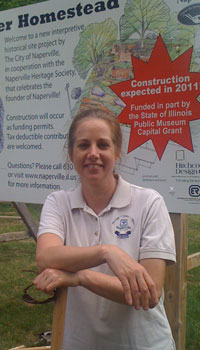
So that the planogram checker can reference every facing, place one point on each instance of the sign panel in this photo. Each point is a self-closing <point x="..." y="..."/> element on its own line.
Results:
<point x="138" y="59"/>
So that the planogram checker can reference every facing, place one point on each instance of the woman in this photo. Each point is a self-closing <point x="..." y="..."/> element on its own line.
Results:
<point x="109" y="242"/>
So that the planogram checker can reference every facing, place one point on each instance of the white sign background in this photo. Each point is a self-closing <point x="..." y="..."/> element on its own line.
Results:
<point x="41" y="91"/>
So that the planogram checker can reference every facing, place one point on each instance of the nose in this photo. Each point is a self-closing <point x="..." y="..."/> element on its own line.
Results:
<point x="93" y="152"/>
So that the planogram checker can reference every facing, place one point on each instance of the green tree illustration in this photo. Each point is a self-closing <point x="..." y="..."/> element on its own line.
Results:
<point x="94" y="44"/>
<point x="181" y="36"/>
<point x="142" y="16"/>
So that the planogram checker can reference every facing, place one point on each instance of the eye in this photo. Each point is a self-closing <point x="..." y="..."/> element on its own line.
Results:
<point x="83" y="145"/>
<point x="103" y="145"/>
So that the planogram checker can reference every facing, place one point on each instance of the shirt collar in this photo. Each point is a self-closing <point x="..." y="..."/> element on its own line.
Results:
<point x="121" y="197"/>
<point x="76" y="198"/>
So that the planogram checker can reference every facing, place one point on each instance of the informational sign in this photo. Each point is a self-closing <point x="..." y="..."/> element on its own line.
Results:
<point x="137" y="59"/>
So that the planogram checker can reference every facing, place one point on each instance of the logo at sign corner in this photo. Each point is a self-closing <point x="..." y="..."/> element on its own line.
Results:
<point x="123" y="225"/>
<point x="194" y="191"/>
<point x="190" y="15"/>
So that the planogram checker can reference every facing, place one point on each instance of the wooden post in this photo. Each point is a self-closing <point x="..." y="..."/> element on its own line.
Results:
<point x="26" y="216"/>
<point x="176" y="283"/>
<point x="58" y="319"/>
<point x="193" y="261"/>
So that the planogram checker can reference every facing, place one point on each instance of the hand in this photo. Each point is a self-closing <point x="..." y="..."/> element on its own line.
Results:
<point x="50" y="279"/>
<point x="139" y="288"/>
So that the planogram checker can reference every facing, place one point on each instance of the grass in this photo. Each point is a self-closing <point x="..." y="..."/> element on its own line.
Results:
<point x="7" y="225"/>
<point x="16" y="225"/>
<point x="21" y="323"/>
<point x="193" y="288"/>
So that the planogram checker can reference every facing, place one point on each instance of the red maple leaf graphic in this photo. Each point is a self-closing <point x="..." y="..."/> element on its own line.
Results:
<point x="161" y="100"/>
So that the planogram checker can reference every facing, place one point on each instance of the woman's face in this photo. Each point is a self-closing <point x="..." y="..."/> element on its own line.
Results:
<point x="94" y="154"/>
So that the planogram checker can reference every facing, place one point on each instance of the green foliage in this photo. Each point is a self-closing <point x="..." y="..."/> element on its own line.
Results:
<point x="193" y="310"/>
<point x="194" y="234"/>
<point x="142" y="16"/>
<point x="5" y="5"/>
<point x="94" y="44"/>
<point x="193" y="288"/>
<point x="178" y="35"/>
<point x="15" y="225"/>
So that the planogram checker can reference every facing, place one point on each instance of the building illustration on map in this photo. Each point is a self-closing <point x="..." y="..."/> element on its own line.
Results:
<point x="104" y="60"/>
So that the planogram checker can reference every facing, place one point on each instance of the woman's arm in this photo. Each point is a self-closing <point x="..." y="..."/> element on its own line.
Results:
<point x="157" y="270"/>
<point x="106" y="286"/>
<point x="51" y="253"/>
<point x="110" y="287"/>
<point x="132" y="282"/>
<point x="134" y="278"/>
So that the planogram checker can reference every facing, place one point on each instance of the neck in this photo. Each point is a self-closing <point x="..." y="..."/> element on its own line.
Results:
<point x="98" y="197"/>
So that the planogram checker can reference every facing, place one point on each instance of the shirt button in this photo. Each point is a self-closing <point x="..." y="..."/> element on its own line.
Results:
<point x="96" y="233"/>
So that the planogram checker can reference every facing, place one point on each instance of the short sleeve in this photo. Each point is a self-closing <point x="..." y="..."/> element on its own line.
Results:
<point x="157" y="240"/>
<point x="51" y="220"/>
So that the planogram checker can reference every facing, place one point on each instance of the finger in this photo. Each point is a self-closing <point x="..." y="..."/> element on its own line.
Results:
<point x="145" y="298"/>
<point x="41" y="285"/>
<point x="37" y="280"/>
<point x="53" y="284"/>
<point x="135" y="291"/>
<point x="144" y="291"/>
<point x="39" y="277"/>
<point x="43" y="282"/>
<point x="51" y="287"/>
<point x="127" y="290"/>
<point x="152" y="288"/>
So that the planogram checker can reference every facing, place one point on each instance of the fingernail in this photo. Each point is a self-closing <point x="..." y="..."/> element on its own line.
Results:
<point x="129" y="300"/>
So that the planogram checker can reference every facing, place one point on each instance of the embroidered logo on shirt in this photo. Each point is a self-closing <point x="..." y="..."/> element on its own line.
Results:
<point x="123" y="226"/>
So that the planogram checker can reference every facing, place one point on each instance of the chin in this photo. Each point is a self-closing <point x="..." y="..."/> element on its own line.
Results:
<point x="93" y="178"/>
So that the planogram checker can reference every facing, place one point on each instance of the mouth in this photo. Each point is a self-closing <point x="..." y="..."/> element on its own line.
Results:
<point x="93" y="166"/>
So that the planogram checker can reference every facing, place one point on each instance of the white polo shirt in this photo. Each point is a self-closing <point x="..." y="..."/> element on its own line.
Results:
<point x="137" y="221"/>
